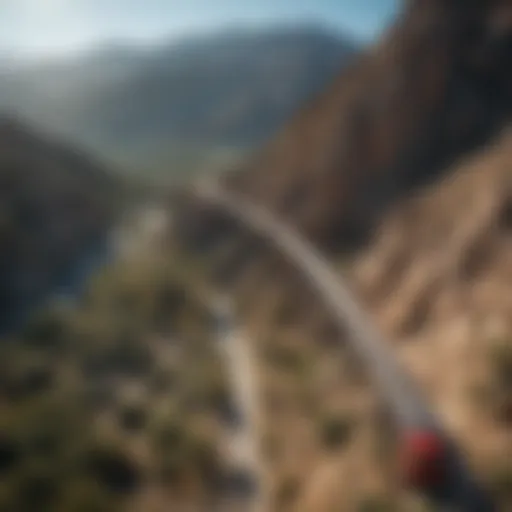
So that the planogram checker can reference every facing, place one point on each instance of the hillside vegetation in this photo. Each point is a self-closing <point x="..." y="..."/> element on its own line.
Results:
<point x="110" y="401"/>
<point x="56" y="206"/>
<point x="114" y="404"/>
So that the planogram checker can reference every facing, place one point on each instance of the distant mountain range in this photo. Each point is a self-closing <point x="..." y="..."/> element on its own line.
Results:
<point x="227" y="90"/>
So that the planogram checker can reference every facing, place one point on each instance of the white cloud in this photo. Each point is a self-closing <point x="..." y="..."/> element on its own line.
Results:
<point x="25" y="12"/>
<point x="43" y="6"/>
<point x="44" y="26"/>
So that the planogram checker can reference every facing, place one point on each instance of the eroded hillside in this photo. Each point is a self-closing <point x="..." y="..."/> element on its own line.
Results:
<point x="437" y="278"/>
<point x="400" y="172"/>
<point x="438" y="86"/>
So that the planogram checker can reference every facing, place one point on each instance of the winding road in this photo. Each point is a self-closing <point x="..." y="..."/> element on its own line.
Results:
<point x="246" y="488"/>
<point x="458" y="490"/>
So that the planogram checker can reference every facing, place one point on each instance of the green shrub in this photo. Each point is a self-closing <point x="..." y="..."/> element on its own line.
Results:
<point x="216" y="393"/>
<point x="43" y="442"/>
<point x="163" y="380"/>
<point x="335" y="430"/>
<point x="169" y="298"/>
<point x="501" y="361"/>
<point x="170" y="470"/>
<point x="500" y="387"/>
<point x="375" y="504"/>
<point x="50" y="426"/>
<point x="113" y="468"/>
<point x="47" y="330"/>
<point x="169" y="436"/>
<point x="10" y="454"/>
<point x="287" y="491"/>
<point x="503" y="408"/>
<point x="130" y="357"/>
<point x="39" y="487"/>
<point x="35" y="486"/>
<point x="206" y="388"/>
<point x="500" y="482"/>
<point x="181" y="453"/>
<point x="171" y="454"/>
<point x="133" y="417"/>
<point x="83" y="495"/>
<point x="285" y="358"/>
<point x="205" y="460"/>
<point x="125" y="353"/>
<point x="27" y="379"/>
<point x="8" y="496"/>
<point x="98" y="395"/>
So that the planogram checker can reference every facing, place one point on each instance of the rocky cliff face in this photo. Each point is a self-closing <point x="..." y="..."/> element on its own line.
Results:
<point x="438" y="86"/>
<point x="405" y="160"/>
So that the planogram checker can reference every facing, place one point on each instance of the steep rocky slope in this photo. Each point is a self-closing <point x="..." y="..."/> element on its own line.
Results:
<point x="55" y="205"/>
<point x="437" y="277"/>
<point x="437" y="86"/>
<point x="405" y="161"/>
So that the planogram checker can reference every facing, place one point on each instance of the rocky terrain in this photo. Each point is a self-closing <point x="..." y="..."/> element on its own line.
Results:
<point x="400" y="173"/>
<point x="435" y="88"/>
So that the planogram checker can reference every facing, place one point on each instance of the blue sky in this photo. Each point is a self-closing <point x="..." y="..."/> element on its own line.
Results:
<point x="42" y="27"/>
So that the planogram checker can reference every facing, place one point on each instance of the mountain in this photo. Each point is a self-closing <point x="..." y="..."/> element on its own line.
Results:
<point x="231" y="89"/>
<point x="438" y="86"/>
<point x="56" y="206"/>
<point x="400" y="173"/>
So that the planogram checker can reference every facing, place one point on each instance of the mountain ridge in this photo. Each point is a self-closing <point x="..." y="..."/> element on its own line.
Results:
<point x="399" y="173"/>
<point x="56" y="206"/>
<point x="437" y="86"/>
<point x="158" y="99"/>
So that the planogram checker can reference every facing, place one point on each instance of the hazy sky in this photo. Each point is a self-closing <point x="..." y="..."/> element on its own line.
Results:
<point x="61" y="26"/>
